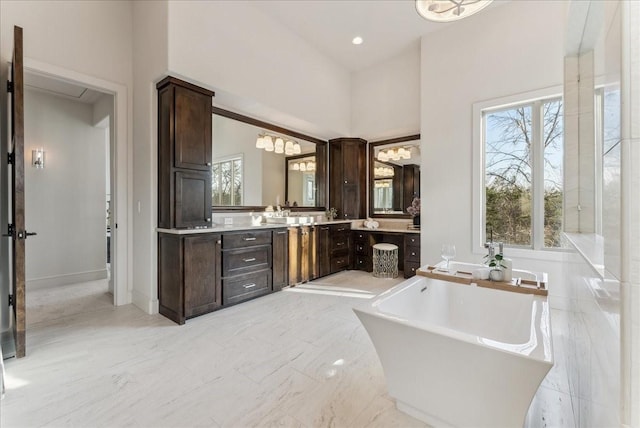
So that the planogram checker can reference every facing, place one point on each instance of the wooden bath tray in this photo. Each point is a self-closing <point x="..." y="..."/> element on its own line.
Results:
<point x="517" y="285"/>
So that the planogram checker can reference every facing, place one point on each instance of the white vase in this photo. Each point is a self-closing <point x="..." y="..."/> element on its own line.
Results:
<point x="496" y="275"/>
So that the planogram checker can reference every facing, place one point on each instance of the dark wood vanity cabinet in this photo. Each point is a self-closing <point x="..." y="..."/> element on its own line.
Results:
<point x="411" y="254"/>
<point x="184" y="154"/>
<point x="188" y="275"/>
<point x="408" y="249"/>
<point x="340" y="247"/>
<point x="280" y="253"/>
<point x="362" y="251"/>
<point x="246" y="265"/>
<point x="347" y="177"/>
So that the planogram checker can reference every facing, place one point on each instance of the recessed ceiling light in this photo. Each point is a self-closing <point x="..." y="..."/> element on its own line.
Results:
<point x="357" y="40"/>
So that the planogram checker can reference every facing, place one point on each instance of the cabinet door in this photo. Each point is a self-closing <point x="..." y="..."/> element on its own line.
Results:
<point x="323" y="250"/>
<point x="352" y="162"/>
<point x="192" y="129"/>
<point x="294" y="255"/>
<point x="192" y="199"/>
<point x="280" y="259"/>
<point x="305" y="266"/>
<point x="202" y="285"/>
<point x="350" y="201"/>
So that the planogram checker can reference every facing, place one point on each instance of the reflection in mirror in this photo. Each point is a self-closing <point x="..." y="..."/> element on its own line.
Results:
<point x="248" y="172"/>
<point x="301" y="181"/>
<point x="395" y="175"/>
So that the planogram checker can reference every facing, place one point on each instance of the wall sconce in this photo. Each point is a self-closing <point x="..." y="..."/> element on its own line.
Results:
<point x="37" y="158"/>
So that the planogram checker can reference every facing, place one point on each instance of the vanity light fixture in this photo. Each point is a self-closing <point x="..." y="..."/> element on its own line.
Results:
<point x="394" y="154"/>
<point x="37" y="158"/>
<point x="383" y="172"/>
<point x="273" y="143"/>
<point x="449" y="10"/>
<point x="304" y="166"/>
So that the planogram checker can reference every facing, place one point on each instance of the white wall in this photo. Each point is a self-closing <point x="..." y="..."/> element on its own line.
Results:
<point x="65" y="201"/>
<point x="502" y="51"/>
<point x="385" y="98"/>
<point x="88" y="42"/>
<point x="235" y="48"/>
<point x="150" y="62"/>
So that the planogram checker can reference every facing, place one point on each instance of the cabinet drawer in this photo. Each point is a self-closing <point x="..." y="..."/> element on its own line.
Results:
<point x="412" y="254"/>
<point x="361" y="248"/>
<point x="339" y="263"/>
<point x="244" y="287"/>
<point x="412" y="240"/>
<point x="410" y="269"/>
<point x="245" y="239"/>
<point x="244" y="260"/>
<point x="363" y="263"/>
<point x="360" y="236"/>
<point x="339" y="242"/>
<point x="340" y="228"/>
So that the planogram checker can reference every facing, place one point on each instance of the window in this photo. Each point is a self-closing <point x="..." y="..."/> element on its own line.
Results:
<point x="226" y="182"/>
<point x="522" y="174"/>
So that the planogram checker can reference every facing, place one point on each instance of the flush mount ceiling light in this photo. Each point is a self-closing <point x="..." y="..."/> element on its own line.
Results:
<point x="449" y="10"/>
<point x="357" y="40"/>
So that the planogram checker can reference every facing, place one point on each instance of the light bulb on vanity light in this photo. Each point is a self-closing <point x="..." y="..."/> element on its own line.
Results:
<point x="296" y="149"/>
<point x="268" y="143"/>
<point x="303" y="167"/>
<point x="279" y="145"/>
<point x="260" y="142"/>
<point x="288" y="148"/>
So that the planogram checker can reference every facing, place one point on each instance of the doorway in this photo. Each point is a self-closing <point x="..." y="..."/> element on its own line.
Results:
<point x="68" y="146"/>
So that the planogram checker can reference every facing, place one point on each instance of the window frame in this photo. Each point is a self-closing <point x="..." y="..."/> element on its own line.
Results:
<point x="230" y="158"/>
<point x="537" y="250"/>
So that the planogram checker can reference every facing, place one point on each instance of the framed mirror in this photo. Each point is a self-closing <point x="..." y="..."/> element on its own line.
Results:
<point x="394" y="176"/>
<point x="301" y="180"/>
<point x="250" y="167"/>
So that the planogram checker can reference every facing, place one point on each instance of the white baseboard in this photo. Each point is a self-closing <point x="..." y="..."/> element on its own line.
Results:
<point x="71" y="278"/>
<point x="144" y="302"/>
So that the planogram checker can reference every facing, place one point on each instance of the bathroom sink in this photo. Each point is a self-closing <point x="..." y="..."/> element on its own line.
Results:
<point x="288" y="220"/>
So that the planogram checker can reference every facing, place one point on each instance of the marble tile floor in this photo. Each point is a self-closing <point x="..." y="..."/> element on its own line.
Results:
<point x="290" y="359"/>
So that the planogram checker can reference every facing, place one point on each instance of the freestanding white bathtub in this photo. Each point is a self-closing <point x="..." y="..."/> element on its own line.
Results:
<point x="460" y="355"/>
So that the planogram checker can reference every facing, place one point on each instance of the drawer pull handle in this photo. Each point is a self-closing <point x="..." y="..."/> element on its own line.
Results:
<point x="253" y="284"/>
<point x="324" y="228"/>
<point x="252" y="259"/>
<point x="339" y="244"/>
<point x="281" y="233"/>
<point x="341" y="229"/>
<point x="249" y="239"/>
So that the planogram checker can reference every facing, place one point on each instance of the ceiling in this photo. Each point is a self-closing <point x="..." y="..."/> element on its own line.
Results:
<point x="388" y="27"/>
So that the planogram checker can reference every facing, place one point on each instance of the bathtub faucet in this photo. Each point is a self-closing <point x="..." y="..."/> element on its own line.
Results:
<point x="491" y="248"/>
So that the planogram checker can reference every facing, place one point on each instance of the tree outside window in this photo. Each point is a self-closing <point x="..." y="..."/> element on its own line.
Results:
<point x="226" y="182"/>
<point x="514" y="138"/>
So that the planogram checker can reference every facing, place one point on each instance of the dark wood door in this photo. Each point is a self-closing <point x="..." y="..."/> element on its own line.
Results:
<point x="192" y="199"/>
<point x="17" y="232"/>
<point x="294" y="256"/>
<point x="280" y="259"/>
<point x="202" y="285"/>
<point x="192" y="129"/>
<point x="351" y="201"/>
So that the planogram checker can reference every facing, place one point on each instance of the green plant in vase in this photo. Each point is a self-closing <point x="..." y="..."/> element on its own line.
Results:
<point x="496" y="265"/>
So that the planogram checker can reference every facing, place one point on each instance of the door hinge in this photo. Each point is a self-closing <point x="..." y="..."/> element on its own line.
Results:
<point x="9" y="86"/>
<point x="10" y="299"/>
<point x="10" y="158"/>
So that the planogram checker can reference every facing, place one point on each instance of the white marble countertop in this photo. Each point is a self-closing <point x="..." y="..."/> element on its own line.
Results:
<point x="220" y="228"/>
<point x="591" y="248"/>
<point x="386" y="229"/>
